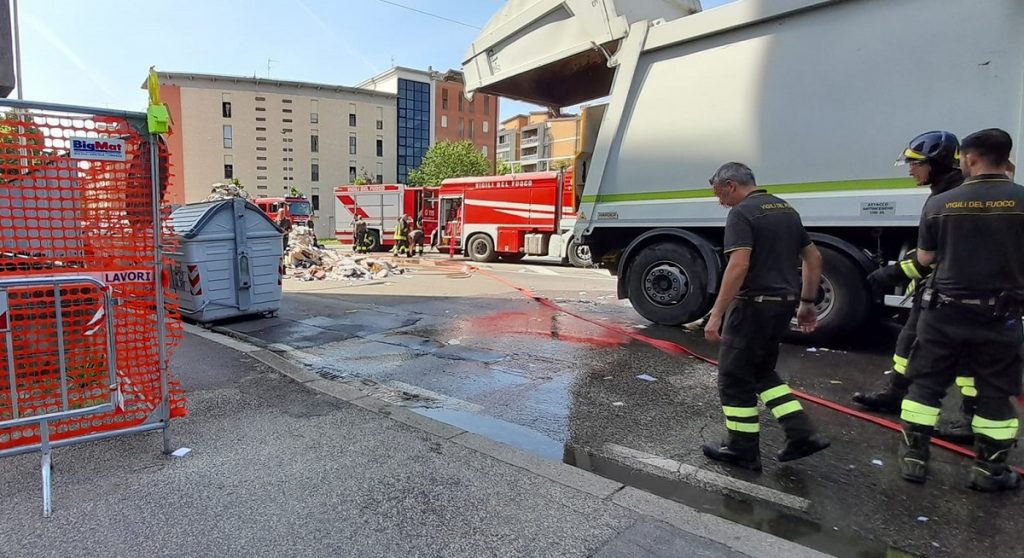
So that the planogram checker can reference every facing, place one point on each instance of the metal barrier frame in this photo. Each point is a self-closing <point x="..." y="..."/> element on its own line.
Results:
<point x="160" y="418"/>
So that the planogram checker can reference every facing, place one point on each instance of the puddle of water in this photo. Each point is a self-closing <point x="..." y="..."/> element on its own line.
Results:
<point x="545" y="323"/>
<point x="499" y="430"/>
<point x="757" y="515"/>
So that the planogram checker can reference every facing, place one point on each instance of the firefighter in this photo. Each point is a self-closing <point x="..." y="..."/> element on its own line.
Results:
<point x="401" y="236"/>
<point x="933" y="159"/>
<point x="971" y="307"/>
<point x="416" y="236"/>
<point x="285" y="224"/>
<point x="764" y="240"/>
<point x="361" y="236"/>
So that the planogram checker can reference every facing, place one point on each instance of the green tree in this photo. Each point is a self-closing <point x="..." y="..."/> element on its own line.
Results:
<point x="560" y="164"/>
<point x="504" y="167"/>
<point x="446" y="160"/>
<point x="18" y="147"/>
<point x="364" y="178"/>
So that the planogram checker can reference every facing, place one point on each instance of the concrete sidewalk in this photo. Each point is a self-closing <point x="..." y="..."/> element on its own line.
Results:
<point x="285" y="463"/>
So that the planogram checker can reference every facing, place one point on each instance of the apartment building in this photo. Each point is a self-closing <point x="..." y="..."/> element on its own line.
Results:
<point x="538" y="141"/>
<point x="276" y="135"/>
<point x="432" y="107"/>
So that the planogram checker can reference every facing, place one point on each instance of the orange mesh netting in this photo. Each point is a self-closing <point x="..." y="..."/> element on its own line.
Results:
<point x="62" y="216"/>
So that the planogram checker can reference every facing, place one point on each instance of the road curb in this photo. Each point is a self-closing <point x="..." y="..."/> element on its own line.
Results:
<point x="733" y="535"/>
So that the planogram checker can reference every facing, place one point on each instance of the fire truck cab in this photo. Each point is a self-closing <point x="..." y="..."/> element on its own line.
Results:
<point x="511" y="216"/>
<point x="297" y="209"/>
<point x="380" y="206"/>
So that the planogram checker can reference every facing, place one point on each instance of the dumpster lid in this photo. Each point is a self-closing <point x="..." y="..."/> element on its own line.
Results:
<point x="188" y="220"/>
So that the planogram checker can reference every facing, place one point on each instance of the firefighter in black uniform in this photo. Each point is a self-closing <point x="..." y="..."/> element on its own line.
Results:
<point x="934" y="160"/>
<point x="361" y="235"/>
<point x="765" y="241"/>
<point x="971" y="311"/>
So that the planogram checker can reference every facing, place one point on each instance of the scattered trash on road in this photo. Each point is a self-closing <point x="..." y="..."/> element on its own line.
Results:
<point x="812" y="349"/>
<point x="876" y="462"/>
<point x="647" y="378"/>
<point x="835" y="382"/>
<point x="607" y="378"/>
<point x="181" y="452"/>
<point x="618" y="404"/>
<point x="454" y="342"/>
<point x="922" y="519"/>
<point x="307" y="262"/>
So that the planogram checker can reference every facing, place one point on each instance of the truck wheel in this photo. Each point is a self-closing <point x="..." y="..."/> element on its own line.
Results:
<point x="579" y="254"/>
<point x="374" y="244"/>
<point x="511" y="258"/>
<point x="481" y="249"/>
<point x="668" y="284"/>
<point x="843" y="301"/>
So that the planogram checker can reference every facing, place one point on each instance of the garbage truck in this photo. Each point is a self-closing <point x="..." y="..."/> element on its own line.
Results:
<point x="819" y="97"/>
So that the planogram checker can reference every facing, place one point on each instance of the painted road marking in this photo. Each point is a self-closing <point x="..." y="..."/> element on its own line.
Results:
<point x="703" y="478"/>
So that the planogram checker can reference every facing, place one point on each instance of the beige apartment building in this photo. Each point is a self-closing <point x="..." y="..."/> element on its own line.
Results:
<point x="275" y="135"/>
<point x="537" y="141"/>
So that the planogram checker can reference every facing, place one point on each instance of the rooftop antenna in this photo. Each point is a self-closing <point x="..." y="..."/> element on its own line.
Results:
<point x="269" y="62"/>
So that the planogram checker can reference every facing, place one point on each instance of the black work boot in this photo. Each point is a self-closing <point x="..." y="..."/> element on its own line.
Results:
<point x="887" y="400"/>
<point x="990" y="472"/>
<point x="802" y="439"/>
<point x="914" y="453"/>
<point x="741" y="451"/>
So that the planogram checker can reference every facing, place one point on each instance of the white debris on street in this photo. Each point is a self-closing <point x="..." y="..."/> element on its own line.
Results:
<point x="306" y="262"/>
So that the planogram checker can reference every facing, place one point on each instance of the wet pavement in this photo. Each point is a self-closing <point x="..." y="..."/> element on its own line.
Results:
<point x="519" y="372"/>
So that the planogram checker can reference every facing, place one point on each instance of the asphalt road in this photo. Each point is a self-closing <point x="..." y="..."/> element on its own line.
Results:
<point x="468" y="350"/>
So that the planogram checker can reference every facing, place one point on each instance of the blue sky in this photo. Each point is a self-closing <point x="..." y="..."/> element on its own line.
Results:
<point x="97" y="52"/>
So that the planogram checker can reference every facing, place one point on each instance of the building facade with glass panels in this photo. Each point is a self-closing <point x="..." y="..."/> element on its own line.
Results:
<point x="414" y="119"/>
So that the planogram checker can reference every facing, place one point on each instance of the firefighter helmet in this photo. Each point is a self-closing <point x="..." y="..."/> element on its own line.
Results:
<point x="938" y="148"/>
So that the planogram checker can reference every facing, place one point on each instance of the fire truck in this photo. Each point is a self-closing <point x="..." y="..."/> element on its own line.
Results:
<point x="511" y="216"/>
<point x="297" y="209"/>
<point x="380" y="206"/>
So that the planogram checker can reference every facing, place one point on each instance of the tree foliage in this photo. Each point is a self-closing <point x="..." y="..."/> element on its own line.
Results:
<point x="560" y="164"/>
<point x="18" y="147"/>
<point x="504" y="167"/>
<point x="446" y="160"/>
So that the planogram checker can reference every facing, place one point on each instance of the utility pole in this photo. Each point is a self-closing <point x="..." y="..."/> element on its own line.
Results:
<point x="269" y="61"/>
<point x="17" y="49"/>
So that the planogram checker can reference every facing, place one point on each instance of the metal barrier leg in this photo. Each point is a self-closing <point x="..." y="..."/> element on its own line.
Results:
<point x="44" y="435"/>
<point x="168" y="448"/>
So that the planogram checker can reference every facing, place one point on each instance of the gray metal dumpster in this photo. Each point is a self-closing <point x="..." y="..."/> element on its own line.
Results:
<point x="227" y="262"/>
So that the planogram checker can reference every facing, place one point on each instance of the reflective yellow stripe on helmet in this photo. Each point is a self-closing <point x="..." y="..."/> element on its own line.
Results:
<point x="911" y="154"/>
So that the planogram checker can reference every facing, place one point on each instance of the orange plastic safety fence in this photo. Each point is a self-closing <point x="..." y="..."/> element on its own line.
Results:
<point x="62" y="216"/>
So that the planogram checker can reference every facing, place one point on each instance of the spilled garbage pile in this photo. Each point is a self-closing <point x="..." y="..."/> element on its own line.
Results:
<point x="227" y="190"/>
<point x="307" y="262"/>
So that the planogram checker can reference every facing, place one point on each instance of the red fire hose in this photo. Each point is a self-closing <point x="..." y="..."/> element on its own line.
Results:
<point x="675" y="348"/>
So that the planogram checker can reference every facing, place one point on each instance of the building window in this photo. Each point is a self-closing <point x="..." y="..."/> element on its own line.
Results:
<point x="484" y="150"/>
<point x="444" y="98"/>
<point x="261" y="119"/>
<point x="261" y="98"/>
<point x="261" y="109"/>
<point x="286" y="110"/>
<point x="380" y="118"/>
<point x="261" y="187"/>
<point x="261" y="178"/>
<point x="261" y="158"/>
<point x="472" y="106"/>
<point x="286" y="120"/>
<point x="462" y="128"/>
<point x="462" y="102"/>
<point x="229" y="167"/>
<point x="415" y="120"/>
<point x="287" y="101"/>
<point x="314" y="143"/>
<point x="261" y="168"/>
<point x="315" y="200"/>
<point x="380" y="173"/>
<point x="472" y="126"/>
<point x="352" y="120"/>
<point x="380" y="147"/>
<point x="225" y="109"/>
<point x="351" y="174"/>
<point x="444" y="120"/>
<point x="487" y="105"/>
<point x="261" y="129"/>
<point x="314" y="111"/>
<point x="352" y="144"/>
<point x="502" y="140"/>
<point x="314" y="170"/>
<point x="484" y="125"/>
<point x="227" y="136"/>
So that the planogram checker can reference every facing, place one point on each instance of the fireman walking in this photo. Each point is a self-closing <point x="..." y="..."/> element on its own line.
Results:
<point x="971" y="309"/>
<point x="361" y="236"/>
<point x="401" y="237"/>
<point x="765" y="241"/>
<point x="934" y="160"/>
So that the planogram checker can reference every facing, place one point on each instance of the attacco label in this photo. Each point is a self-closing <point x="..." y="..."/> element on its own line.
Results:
<point x="97" y="149"/>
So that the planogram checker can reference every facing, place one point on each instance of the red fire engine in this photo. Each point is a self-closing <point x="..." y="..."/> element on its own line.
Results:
<point x="512" y="216"/>
<point x="380" y="206"/>
<point x="297" y="209"/>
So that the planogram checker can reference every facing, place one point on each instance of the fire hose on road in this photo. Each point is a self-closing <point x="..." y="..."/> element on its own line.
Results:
<point x="675" y="348"/>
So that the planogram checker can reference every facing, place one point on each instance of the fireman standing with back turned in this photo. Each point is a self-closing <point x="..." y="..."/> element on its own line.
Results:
<point x="971" y="311"/>
<point x="765" y="241"/>
<point x="934" y="160"/>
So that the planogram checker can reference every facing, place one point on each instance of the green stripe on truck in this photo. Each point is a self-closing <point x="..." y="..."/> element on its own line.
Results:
<point x="802" y="188"/>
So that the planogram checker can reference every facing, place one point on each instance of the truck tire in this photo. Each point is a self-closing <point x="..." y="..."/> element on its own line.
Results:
<point x="579" y="254"/>
<point x="374" y="244"/>
<point x="843" y="302"/>
<point x="668" y="284"/>
<point x="481" y="248"/>
<point x="509" y="257"/>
